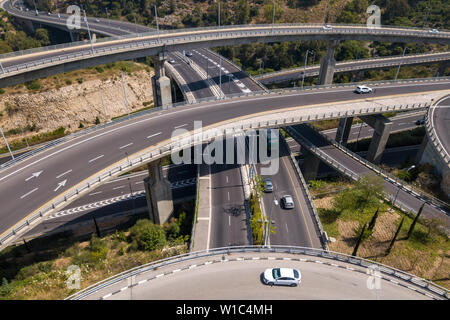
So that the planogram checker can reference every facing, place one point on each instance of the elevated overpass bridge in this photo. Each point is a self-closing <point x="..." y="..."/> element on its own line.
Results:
<point x="92" y="159"/>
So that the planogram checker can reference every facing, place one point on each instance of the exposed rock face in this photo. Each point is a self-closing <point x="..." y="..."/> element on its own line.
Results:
<point x="70" y="105"/>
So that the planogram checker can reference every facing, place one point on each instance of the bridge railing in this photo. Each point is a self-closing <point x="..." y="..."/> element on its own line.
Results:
<point x="203" y="100"/>
<point x="387" y="271"/>
<point x="258" y="29"/>
<point x="340" y="65"/>
<point x="418" y="193"/>
<point x="177" y="144"/>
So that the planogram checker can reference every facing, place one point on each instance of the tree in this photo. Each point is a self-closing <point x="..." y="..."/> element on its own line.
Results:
<point x="242" y="12"/>
<point x="388" y="250"/>
<point x="148" y="236"/>
<point x="413" y="224"/>
<point x="268" y="12"/>
<point x="360" y="239"/>
<point x="42" y="36"/>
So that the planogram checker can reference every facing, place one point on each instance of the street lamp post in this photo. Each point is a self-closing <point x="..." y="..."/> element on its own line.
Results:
<point x="6" y="142"/>
<point x="426" y="17"/>
<point x="132" y="196"/>
<point x="89" y="31"/>
<point x="395" y="198"/>
<point x="23" y="134"/>
<point x="267" y="235"/>
<point x="157" y="24"/>
<point x="273" y="15"/>
<point x="400" y="64"/>
<point x="306" y="61"/>
<point x="125" y="95"/>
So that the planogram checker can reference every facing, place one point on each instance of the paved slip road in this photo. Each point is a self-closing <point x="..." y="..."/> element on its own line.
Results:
<point x="358" y="168"/>
<point x="81" y="157"/>
<point x="231" y="280"/>
<point x="294" y="227"/>
<point x="441" y="123"/>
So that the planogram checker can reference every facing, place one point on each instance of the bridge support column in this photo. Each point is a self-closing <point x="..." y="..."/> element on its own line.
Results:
<point x="162" y="94"/>
<point x="343" y="130"/>
<point x="423" y="146"/>
<point x="158" y="194"/>
<point x="382" y="128"/>
<point x="310" y="165"/>
<point x="328" y="64"/>
<point x="74" y="36"/>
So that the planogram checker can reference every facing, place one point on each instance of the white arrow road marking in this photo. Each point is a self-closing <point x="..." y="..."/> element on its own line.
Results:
<point x="127" y="145"/>
<point x="26" y="194"/>
<point x="61" y="184"/>
<point x="34" y="175"/>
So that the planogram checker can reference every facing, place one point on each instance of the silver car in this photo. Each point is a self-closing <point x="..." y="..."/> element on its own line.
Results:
<point x="363" y="89"/>
<point x="282" y="277"/>
<point x="268" y="185"/>
<point x="287" y="202"/>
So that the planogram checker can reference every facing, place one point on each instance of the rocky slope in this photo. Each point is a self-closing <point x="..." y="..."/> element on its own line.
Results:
<point x="71" y="105"/>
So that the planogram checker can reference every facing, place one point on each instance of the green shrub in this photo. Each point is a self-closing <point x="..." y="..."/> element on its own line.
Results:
<point x="147" y="236"/>
<point x="97" y="120"/>
<point x="2" y="91"/>
<point x="5" y="288"/>
<point x="68" y="82"/>
<point x="81" y="125"/>
<point x="33" y="85"/>
<point x="80" y="80"/>
<point x="99" y="69"/>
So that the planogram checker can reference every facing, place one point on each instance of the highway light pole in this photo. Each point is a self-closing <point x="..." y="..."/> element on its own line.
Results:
<point x="229" y="75"/>
<point x="89" y="31"/>
<point x="157" y="24"/>
<point x="400" y="64"/>
<point x="426" y="17"/>
<point x="273" y="15"/>
<point x="107" y="16"/>
<point x="135" y="23"/>
<point x="1" y="66"/>
<point x="132" y="196"/>
<point x="6" y="142"/>
<point x="125" y="95"/>
<point x="269" y="225"/>
<point x="104" y="109"/>
<point x="23" y="134"/>
<point x="306" y="61"/>
<point x="395" y="198"/>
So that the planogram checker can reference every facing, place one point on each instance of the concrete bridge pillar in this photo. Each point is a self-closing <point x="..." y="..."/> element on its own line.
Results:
<point x="74" y="36"/>
<point x="162" y="95"/>
<point x="310" y="165"/>
<point x="382" y="128"/>
<point x="422" y="148"/>
<point x="328" y="64"/>
<point x="158" y="194"/>
<point x="343" y="130"/>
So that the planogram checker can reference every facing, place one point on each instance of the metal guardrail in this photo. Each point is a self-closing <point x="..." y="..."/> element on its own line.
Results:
<point x="425" y="285"/>
<point x="420" y="194"/>
<point x="206" y="100"/>
<point x="340" y="66"/>
<point x="433" y="137"/>
<point x="146" y="156"/>
<point x="150" y="39"/>
<point x="336" y="164"/>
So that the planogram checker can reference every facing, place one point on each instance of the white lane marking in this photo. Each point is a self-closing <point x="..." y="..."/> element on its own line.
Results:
<point x="120" y="187"/>
<point x="287" y="230"/>
<point x="123" y="289"/>
<point x="34" y="175"/>
<point x="229" y="221"/>
<point x="159" y="275"/>
<point x="107" y="296"/>
<point x="192" y="266"/>
<point x="227" y="182"/>
<point x="60" y="185"/>
<point x="63" y="174"/>
<point x="183" y="125"/>
<point x="27" y="194"/>
<point x="142" y="281"/>
<point x="92" y="160"/>
<point x="176" y="270"/>
<point x="140" y="181"/>
<point x="187" y="110"/>
<point x="93" y="194"/>
<point x="127" y="145"/>
<point x="210" y="210"/>
<point x="154" y="135"/>
<point x="228" y="192"/>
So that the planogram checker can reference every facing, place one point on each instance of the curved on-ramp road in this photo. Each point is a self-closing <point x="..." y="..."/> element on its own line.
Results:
<point x="237" y="275"/>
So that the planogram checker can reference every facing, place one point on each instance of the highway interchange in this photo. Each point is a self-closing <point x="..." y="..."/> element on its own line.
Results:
<point x="108" y="144"/>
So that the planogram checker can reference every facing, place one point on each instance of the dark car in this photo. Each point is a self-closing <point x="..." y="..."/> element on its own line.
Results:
<point x="188" y="54"/>
<point x="268" y="185"/>
<point x="420" y="122"/>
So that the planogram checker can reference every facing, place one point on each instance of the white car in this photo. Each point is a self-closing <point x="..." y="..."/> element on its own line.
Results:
<point x="171" y="61"/>
<point x="327" y="27"/>
<point x="287" y="202"/>
<point x="363" y="89"/>
<point x="97" y="20"/>
<point x="433" y="31"/>
<point x="282" y="277"/>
